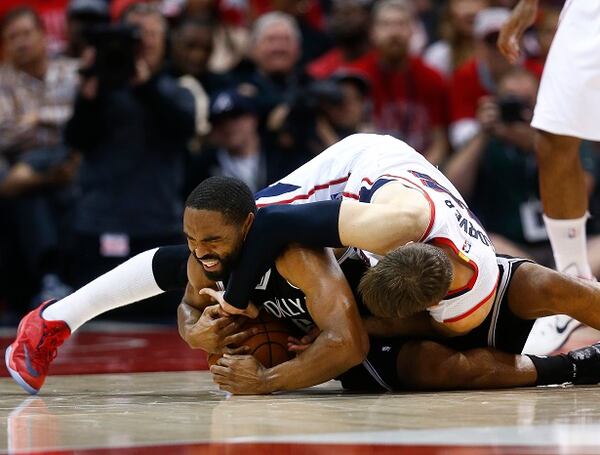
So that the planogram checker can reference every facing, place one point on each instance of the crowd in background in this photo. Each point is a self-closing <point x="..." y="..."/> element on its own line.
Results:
<point x="112" y="111"/>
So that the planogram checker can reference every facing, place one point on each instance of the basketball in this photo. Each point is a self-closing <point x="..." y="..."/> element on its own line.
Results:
<point x="269" y="345"/>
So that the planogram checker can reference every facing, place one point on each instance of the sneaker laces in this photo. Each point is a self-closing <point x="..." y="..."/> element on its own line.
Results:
<point x="47" y="348"/>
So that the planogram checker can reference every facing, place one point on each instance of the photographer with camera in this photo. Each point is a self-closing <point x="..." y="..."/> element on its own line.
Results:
<point x="131" y="122"/>
<point x="497" y="170"/>
<point x="325" y="112"/>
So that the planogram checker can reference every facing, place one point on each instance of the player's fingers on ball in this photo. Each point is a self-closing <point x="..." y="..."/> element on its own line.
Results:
<point x="222" y="322"/>
<point x="219" y="370"/>
<point x="223" y="361"/>
<point x="228" y="329"/>
<point x="240" y="337"/>
<point x="238" y="350"/>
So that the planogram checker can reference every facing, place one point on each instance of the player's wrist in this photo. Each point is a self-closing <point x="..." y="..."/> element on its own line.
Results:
<point x="271" y="381"/>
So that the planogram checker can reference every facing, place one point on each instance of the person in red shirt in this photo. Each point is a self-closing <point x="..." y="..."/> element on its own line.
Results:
<point x="349" y="24"/>
<point x="409" y="98"/>
<point x="479" y="76"/>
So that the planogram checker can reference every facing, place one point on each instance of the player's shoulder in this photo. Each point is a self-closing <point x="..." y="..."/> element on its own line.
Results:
<point x="299" y="259"/>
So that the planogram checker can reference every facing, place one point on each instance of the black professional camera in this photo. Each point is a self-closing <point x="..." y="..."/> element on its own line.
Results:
<point x="514" y="109"/>
<point x="117" y="47"/>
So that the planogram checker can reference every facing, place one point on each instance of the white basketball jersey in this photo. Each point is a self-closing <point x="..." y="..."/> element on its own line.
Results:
<point x="358" y="166"/>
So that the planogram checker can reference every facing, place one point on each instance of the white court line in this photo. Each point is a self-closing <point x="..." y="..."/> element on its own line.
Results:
<point x="559" y="435"/>
<point x="584" y="437"/>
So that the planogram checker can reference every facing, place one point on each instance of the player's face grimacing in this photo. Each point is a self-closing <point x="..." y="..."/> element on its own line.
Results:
<point x="213" y="240"/>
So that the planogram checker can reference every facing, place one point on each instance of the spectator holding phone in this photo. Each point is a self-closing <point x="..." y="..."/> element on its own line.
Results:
<point x="131" y="122"/>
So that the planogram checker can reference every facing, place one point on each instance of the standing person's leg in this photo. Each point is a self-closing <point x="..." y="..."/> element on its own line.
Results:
<point x="567" y="110"/>
<point x="565" y="201"/>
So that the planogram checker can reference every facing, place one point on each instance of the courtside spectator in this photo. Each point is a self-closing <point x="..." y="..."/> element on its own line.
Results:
<point x="314" y="41"/>
<point x="230" y="39"/>
<point x="409" y="97"/>
<point x="456" y="31"/>
<point x="273" y="76"/>
<point x="192" y="45"/>
<point x="479" y="76"/>
<point x="349" y="26"/>
<point x="36" y="97"/>
<point x="235" y="147"/>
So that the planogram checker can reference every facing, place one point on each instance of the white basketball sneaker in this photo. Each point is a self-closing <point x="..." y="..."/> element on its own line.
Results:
<point x="550" y="334"/>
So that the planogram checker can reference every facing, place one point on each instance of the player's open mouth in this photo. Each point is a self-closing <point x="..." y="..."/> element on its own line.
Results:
<point x="209" y="264"/>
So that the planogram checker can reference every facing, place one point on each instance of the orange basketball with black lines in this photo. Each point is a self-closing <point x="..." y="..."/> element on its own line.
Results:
<point x="269" y="345"/>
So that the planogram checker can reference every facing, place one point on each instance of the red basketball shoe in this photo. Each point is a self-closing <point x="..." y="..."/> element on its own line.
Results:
<point x="29" y="357"/>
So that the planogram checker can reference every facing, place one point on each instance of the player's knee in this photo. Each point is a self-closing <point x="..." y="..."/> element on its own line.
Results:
<point x="426" y="365"/>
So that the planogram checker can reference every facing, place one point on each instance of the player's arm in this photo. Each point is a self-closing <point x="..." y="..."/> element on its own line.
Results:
<point x="202" y="325"/>
<point x="397" y="216"/>
<point x="342" y="343"/>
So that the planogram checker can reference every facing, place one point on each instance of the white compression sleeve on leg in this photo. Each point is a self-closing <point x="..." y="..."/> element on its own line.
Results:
<point x="568" y="240"/>
<point x="130" y="282"/>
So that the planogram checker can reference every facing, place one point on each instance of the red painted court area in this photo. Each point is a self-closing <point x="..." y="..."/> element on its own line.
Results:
<point x="139" y="351"/>
<point x="175" y="409"/>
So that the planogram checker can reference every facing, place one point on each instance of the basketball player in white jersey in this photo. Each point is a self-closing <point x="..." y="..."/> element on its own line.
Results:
<point x="390" y="196"/>
<point x="567" y="110"/>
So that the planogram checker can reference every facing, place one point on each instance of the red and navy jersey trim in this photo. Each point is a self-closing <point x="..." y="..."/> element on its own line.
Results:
<point x="280" y="189"/>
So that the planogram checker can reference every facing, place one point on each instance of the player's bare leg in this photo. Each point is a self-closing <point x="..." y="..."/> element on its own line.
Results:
<point x="427" y="365"/>
<point x="565" y="201"/>
<point x="537" y="291"/>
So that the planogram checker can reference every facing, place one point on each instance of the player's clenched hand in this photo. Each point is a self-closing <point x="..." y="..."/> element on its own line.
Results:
<point x="240" y="375"/>
<point x="210" y="331"/>
<point x="511" y="32"/>
<point x="298" y="345"/>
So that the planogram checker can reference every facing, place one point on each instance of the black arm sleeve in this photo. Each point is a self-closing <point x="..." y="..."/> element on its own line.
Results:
<point x="312" y="224"/>
<point x="169" y="266"/>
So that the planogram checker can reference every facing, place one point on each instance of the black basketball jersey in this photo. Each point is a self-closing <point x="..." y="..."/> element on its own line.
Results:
<point x="285" y="301"/>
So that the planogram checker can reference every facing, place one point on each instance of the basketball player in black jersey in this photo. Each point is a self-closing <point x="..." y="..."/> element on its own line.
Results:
<point x="305" y="286"/>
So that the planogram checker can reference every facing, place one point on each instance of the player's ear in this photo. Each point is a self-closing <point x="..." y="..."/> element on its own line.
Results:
<point x="247" y="224"/>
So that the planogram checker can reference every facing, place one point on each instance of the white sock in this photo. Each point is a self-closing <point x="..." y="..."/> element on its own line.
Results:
<point x="568" y="240"/>
<point x="128" y="283"/>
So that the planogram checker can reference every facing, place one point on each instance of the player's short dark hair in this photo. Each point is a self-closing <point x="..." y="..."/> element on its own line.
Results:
<point x="406" y="281"/>
<point x="231" y="197"/>
<point x="19" y="12"/>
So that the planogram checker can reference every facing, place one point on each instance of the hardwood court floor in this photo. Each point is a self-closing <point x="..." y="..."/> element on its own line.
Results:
<point x="183" y="412"/>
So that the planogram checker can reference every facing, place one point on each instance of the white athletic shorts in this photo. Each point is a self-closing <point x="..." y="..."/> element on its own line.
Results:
<point x="568" y="101"/>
